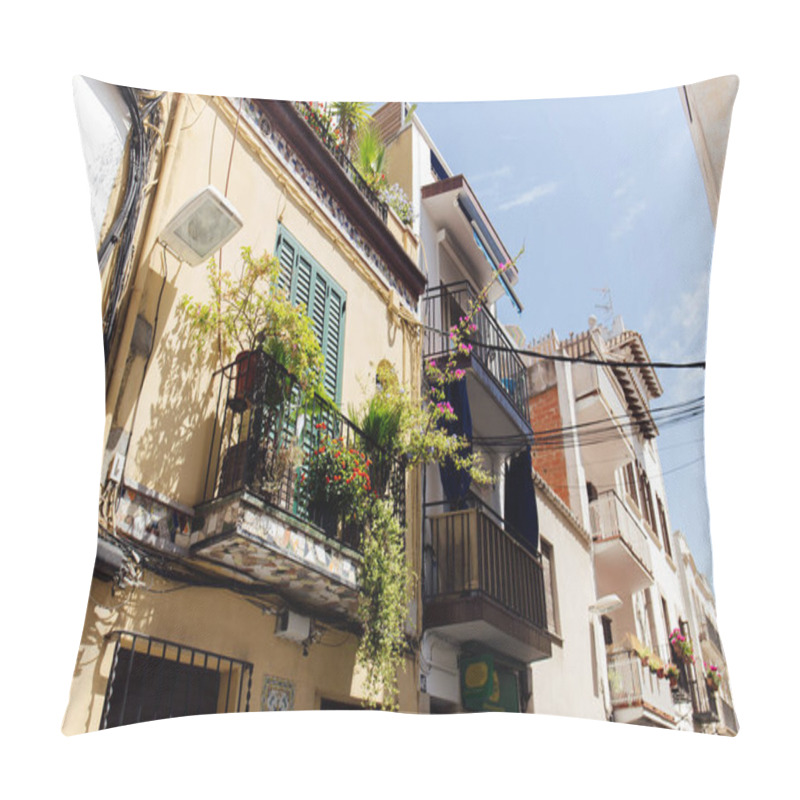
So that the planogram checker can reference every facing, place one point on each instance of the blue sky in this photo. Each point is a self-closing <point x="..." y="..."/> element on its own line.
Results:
<point x="604" y="193"/>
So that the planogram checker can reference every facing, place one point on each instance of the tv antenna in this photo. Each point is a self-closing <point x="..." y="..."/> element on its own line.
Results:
<point x="607" y="305"/>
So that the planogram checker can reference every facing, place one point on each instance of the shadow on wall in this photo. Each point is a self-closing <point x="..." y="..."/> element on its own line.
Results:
<point x="172" y="452"/>
<point x="105" y="613"/>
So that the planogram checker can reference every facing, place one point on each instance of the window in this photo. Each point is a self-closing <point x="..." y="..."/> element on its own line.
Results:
<point x="630" y="482"/>
<point x="307" y="283"/>
<point x="155" y="679"/>
<point x="662" y="516"/>
<point x="608" y="636"/>
<point x="550" y="587"/>
<point x="646" y="499"/>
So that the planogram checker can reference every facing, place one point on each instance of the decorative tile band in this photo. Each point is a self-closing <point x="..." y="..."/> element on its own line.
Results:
<point x="289" y="158"/>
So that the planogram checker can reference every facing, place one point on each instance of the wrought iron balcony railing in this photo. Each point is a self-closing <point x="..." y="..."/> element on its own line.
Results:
<point x="471" y="554"/>
<point x="264" y="432"/>
<point x="317" y="123"/>
<point x="442" y="307"/>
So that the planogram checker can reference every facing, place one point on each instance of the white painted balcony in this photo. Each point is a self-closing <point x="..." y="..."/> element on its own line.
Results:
<point x="622" y="548"/>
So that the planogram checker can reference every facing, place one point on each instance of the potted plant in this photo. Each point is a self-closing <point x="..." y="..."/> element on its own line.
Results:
<point x="381" y="419"/>
<point x="672" y="674"/>
<point x="713" y="677"/>
<point x="681" y="645"/>
<point x="249" y="316"/>
<point x="656" y="666"/>
<point x="337" y="483"/>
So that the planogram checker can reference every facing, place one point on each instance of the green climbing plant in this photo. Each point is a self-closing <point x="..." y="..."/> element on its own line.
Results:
<point x="252" y="312"/>
<point x="385" y="590"/>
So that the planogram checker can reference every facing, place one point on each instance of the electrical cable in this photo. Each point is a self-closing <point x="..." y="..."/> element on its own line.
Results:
<point x="578" y="359"/>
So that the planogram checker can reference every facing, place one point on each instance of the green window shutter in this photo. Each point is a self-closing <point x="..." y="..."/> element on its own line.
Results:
<point x="324" y="301"/>
<point x="286" y="256"/>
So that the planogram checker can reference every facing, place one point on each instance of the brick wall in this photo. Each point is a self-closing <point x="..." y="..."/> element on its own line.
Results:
<point x="548" y="460"/>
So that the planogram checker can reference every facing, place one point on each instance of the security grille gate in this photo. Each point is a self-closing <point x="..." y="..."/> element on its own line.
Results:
<point x="156" y="679"/>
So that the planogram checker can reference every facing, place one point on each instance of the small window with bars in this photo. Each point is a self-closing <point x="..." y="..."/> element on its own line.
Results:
<point x="154" y="678"/>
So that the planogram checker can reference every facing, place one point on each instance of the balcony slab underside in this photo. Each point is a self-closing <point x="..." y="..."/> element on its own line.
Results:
<point x="642" y="713"/>
<point x="618" y="568"/>
<point x="595" y="416"/>
<point x="477" y="618"/>
<point x="493" y="415"/>
<point x="253" y="542"/>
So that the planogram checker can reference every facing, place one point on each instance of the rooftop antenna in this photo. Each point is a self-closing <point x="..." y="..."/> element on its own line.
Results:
<point x="607" y="306"/>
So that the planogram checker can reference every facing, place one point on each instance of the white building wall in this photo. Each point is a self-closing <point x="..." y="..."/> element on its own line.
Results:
<point x="571" y="682"/>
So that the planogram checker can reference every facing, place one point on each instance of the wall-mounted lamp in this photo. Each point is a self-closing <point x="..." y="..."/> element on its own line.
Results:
<point x="606" y="604"/>
<point x="201" y="225"/>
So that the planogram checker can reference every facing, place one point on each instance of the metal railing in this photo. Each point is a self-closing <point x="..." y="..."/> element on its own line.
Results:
<point x="153" y="678"/>
<point x="442" y="307"/>
<point x="264" y="433"/>
<point x="611" y="518"/>
<point x="314" y="121"/>
<point x="471" y="554"/>
<point x="633" y="684"/>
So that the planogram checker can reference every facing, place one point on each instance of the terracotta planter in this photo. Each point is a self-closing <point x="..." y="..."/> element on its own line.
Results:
<point x="673" y="683"/>
<point x="712" y="687"/>
<point x="249" y="365"/>
<point x="660" y="672"/>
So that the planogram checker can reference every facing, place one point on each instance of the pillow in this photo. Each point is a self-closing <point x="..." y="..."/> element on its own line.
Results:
<point x="377" y="435"/>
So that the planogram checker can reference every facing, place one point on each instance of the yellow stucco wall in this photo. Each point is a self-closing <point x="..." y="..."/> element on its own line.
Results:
<point x="219" y="621"/>
<point x="170" y="412"/>
<point x="174" y="418"/>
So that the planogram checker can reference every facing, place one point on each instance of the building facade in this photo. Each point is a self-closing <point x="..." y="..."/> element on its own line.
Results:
<point x="595" y="447"/>
<point x="217" y="588"/>
<point x="485" y="612"/>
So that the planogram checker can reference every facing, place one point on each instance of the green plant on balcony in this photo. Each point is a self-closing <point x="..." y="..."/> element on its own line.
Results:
<point x="395" y="197"/>
<point x="681" y="646"/>
<point x="370" y="157"/>
<point x="644" y="654"/>
<point x="713" y="677"/>
<point x="337" y="481"/>
<point x="252" y="313"/>
<point x="351" y="117"/>
<point x="385" y="584"/>
<point x="672" y="673"/>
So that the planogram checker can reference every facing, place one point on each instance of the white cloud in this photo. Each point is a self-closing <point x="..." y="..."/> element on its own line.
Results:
<point x="625" y="223"/>
<point x="530" y="196"/>
<point x="623" y="188"/>
<point x="501" y="172"/>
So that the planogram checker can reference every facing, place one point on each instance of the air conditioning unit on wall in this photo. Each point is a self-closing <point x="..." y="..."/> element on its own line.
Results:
<point x="292" y="626"/>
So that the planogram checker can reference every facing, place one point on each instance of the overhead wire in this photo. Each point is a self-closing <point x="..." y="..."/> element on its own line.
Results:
<point x="579" y="359"/>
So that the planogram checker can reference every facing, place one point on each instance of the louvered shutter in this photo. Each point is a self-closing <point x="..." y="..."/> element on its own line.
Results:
<point x="308" y="284"/>
<point x="286" y="255"/>
<point x="333" y="341"/>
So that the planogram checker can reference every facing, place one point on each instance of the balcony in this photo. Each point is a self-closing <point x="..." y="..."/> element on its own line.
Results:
<point x="637" y="695"/>
<point x="482" y="585"/>
<point x="621" y="547"/>
<point x="496" y="376"/>
<point x="257" y="522"/>
<point x="317" y="122"/>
